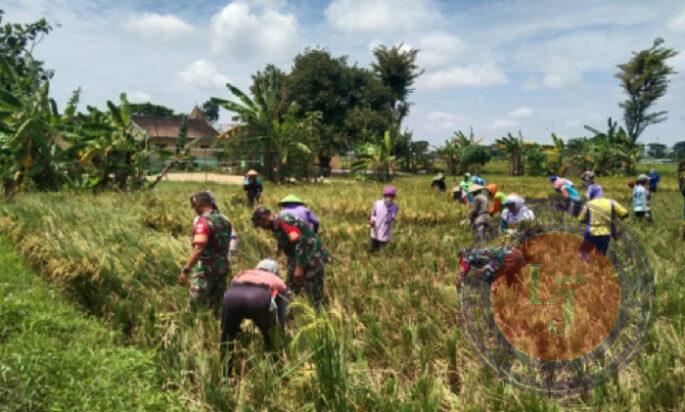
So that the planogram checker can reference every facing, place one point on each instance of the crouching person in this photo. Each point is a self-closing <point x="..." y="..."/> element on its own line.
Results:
<point x="256" y="294"/>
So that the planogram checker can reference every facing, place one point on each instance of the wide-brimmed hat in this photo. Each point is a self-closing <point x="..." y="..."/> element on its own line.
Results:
<point x="252" y="172"/>
<point x="389" y="191"/>
<point x="291" y="199"/>
<point x="476" y="188"/>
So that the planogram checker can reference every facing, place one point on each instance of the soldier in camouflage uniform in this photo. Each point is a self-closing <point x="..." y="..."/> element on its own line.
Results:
<point x="303" y="248"/>
<point x="208" y="264"/>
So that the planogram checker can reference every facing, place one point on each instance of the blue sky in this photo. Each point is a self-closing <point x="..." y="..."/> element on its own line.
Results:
<point x="534" y="66"/>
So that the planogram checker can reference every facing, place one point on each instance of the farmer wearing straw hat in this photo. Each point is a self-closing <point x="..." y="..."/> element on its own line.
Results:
<point x="383" y="213"/>
<point x="293" y="205"/>
<point x="303" y="249"/>
<point x="439" y="182"/>
<point x="207" y="264"/>
<point x="641" y="198"/>
<point x="257" y="294"/>
<point x="252" y="185"/>
<point x="479" y="215"/>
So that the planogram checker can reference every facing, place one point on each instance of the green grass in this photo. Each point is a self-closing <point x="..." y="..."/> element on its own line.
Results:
<point x="389" y="340"/>
<point x="54" y="358"/>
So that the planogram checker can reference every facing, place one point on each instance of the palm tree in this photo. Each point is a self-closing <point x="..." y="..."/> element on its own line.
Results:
<point x="514" y="146"/>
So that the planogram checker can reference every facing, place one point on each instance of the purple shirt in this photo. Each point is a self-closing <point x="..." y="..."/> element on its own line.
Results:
<point x="382" y="216"/>
<point x="302" y="213"/>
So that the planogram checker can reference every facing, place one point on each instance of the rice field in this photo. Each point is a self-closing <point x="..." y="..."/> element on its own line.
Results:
<point x="389" y="339"/>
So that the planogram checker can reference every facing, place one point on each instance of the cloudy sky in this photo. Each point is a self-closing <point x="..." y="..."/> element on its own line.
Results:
<point x="498" y="66"/>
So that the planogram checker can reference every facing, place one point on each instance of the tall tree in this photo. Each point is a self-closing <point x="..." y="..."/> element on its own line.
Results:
<point x="644" y="78"/>
<point x="151" y="109"/>
<point x="210" y="110"/>
<point x="319" y="82"/>
<point x="679" y="150"/>
<point x="657" y="150"/>
<point x="396" y="66"/>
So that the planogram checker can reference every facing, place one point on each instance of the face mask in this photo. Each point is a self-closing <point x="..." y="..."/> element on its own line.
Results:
<point x="388" y="200"/>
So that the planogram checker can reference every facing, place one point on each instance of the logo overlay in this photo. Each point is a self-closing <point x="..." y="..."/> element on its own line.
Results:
<point x="549" y="311"/>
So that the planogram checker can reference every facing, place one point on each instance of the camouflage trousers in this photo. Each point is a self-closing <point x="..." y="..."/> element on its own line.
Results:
<point x="206" y="287"/>
<point x="312" y="282"/>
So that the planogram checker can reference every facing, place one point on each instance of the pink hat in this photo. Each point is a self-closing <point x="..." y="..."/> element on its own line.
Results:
<point x="389" y="191"/>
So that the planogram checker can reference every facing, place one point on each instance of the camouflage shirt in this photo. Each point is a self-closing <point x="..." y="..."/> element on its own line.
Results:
<point x="213" y="230"/>
<point x="299" y="241"/>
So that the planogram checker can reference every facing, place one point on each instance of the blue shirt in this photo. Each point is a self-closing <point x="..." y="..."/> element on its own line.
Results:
<point x="654" y="179"/>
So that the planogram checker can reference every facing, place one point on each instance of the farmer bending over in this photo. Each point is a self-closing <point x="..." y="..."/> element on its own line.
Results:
<point x="479" y="215"/>
<point x="256" y="294"/>
<point x="515" y="213"/>
<point x="303" y="249"/>
<point x="292" y="204"/>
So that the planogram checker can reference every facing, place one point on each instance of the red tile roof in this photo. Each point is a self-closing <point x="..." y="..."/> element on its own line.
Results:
<point x="162" y="127"/>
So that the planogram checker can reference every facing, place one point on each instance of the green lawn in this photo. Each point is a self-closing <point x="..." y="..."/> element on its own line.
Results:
<point x="52" y="357"/>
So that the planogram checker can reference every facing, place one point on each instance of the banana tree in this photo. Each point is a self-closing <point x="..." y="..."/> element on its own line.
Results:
<point x="29" y="131"/>
<point x="376" y="157"/>
<point x="514" y="146"/>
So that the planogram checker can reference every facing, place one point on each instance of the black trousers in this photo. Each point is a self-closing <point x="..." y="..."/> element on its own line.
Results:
<point x="248" y="302"/>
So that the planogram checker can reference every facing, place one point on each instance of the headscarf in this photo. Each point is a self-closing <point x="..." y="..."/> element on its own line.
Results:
<point x="595" y="192"/>
<point x="269" y="265"/>
<point x="520" y="212"/>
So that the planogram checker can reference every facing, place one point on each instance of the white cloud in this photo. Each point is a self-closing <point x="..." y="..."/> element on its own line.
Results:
<point x="381" y="15"/>
<point x="444" y="120"/>
<point x="560" y="73"/>
<point x="203" y="75"/>
<point x="136" y="96"/>
<point x="677" y="24"/>
<point x="501" y="124"/>
<point x="243" y="33"/>
<point x="165" y="27"/>
<point x="438" y="49"/>
<point x="520" y="112"/>
<point x="464" y="76"/>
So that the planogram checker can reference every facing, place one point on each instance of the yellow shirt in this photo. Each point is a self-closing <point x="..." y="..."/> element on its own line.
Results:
<point x="600" y="215"/>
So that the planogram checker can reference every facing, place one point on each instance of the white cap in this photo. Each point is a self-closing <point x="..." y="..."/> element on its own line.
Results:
<point x="269" y="265"/>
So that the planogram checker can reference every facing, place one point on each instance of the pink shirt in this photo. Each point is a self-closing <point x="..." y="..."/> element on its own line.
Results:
<point x="260" y="277"/>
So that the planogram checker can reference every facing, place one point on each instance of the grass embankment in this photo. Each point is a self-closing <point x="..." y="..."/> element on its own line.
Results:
<point x="389" y="341"/>
<point x="53" y="358"/>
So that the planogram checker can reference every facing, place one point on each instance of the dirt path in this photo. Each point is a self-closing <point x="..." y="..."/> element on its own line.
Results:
<point x="202" y="177"/>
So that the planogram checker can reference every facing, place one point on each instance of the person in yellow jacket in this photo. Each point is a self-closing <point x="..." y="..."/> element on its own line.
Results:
<point x="599" y="216"/>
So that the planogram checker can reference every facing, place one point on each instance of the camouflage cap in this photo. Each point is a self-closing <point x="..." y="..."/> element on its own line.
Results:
<point x="258" y="213"/>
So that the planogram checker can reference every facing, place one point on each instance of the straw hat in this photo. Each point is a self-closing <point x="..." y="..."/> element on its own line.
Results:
<point x="252" y="172"/>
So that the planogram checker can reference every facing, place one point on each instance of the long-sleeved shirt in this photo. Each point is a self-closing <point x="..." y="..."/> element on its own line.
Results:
<point x="479" y="210"/>
<point x="498" y="201"/>
<point x="303" y="213"/>
<point x="570" y="192"/>
<point x="654" y="180"/>
<point x="252" y="186"/>
<point x="382" y="216"/>
<point x="640" y="199"/>
<point x="598" y="214"/>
